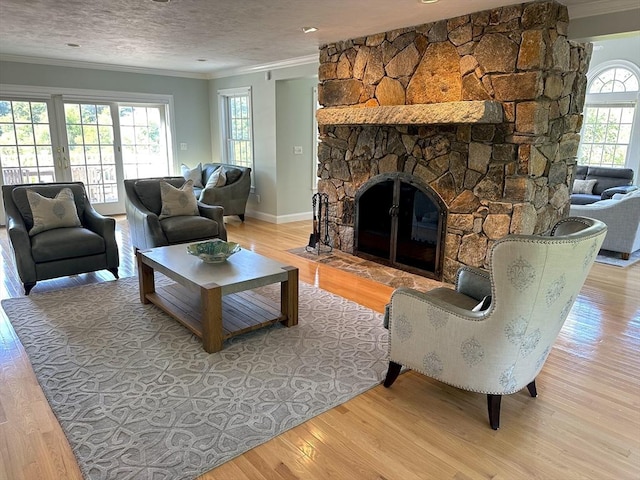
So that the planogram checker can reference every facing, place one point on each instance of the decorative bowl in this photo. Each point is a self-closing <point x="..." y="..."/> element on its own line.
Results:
<point x="213" y="251"/>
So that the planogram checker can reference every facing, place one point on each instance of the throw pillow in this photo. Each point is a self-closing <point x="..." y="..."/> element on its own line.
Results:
<point x="177" y="201"/>
<point x="50" y="213"/>
<point x="194" y="174"/>
<point x="584" y="186"/>
<point x="217" y="179"/>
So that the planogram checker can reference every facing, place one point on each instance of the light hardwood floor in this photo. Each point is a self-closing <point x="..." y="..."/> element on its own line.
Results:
<point x="584" y="424"/>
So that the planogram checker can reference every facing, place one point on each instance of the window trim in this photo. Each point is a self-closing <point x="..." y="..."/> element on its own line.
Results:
<point x="223" y="107"/>
<point x="617" y="99"/>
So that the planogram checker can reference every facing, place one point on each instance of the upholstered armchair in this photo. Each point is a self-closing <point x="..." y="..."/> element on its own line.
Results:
<point x="499" y="347"/>
<point x="54" y="232"/>
<point x="148" y="228"/>
<point x="621" y="214"/>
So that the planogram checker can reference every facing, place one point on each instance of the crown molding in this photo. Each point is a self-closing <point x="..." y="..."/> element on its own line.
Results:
<point x="595" y="8"/>
<point x="101" y="66"/>
<point x="290" y="62"/>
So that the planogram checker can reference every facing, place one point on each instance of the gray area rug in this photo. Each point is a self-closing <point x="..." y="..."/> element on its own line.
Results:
<point x="138" y="397"/>
<point x="613" y="258"/>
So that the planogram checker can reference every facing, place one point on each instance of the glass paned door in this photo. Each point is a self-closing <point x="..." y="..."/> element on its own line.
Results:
<point x="144" y="141"/>
<point x="92" y="153"/>
<point x="26" y="144"/>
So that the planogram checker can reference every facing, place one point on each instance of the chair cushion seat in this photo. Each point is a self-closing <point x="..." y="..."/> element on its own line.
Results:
<point x="189" y="228"/>
<point x="63" y="243"/>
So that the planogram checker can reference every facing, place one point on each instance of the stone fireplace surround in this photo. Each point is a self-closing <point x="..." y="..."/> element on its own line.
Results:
<point x="483" y="108"/>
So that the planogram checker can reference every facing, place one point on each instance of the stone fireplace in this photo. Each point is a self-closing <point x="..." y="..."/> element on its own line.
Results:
<point x="480" y="112"/>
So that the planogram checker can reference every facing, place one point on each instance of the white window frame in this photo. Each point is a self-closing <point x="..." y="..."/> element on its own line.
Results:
<point x="225" y="128"/>
<point x="618" y="99"/>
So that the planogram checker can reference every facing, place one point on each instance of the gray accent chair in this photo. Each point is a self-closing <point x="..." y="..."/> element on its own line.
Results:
<point x="621" y="214"/>
<point x="609" y="181"/>
<point x="61" y="251"/>
<point x="498" y="346"/>
<point x="143" y="205"/>
<point x="233" y="196"/>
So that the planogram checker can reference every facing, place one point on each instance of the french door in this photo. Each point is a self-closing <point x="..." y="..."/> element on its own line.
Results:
<point x="99" y="144"/>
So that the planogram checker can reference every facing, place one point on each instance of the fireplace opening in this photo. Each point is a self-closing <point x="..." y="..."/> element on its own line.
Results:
<point x="400" y="222"/>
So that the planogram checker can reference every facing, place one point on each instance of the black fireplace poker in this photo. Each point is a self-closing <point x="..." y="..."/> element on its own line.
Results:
<point x="317" y="242"/>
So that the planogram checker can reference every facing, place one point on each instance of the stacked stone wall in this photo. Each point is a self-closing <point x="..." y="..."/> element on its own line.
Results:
<point x="510" y="177"/>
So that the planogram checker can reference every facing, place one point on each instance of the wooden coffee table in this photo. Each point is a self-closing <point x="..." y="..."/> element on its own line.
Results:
<point x="216" y="301"/>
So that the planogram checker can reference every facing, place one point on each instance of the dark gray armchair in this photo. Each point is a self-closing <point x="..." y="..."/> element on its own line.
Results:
<point x="233" y="195"/>
<point x="58" y="252"/>
<point x="143" y="205"/>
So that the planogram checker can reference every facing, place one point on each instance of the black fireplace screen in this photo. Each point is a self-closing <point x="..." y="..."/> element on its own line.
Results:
<point x="400" y="222"/>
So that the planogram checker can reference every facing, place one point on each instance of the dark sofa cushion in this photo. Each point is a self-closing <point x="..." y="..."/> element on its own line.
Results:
<point x="64" y="243"/>
<point x="609" y="177"/>
<point x="189" y="228"/>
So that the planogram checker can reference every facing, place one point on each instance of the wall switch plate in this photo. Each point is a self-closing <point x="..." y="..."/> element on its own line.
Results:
<point x="297" y="150"/>
<point x="183" y="146"/>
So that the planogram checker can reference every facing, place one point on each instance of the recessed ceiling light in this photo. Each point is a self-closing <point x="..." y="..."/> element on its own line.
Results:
<point x="309" y="29"/>
<point x="73" y="45"/>
<point x="428" y="1"/>
<point x="161" y="1"/>
<point x="202" y="59"/>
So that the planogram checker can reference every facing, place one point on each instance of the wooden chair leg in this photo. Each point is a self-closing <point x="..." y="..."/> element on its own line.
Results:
<point x="241" y="217"/>
<point x="493" y="404"/>
<point x="532" y="389"/>
<point x="114" y="272"/>
<point x="392" y="373"/>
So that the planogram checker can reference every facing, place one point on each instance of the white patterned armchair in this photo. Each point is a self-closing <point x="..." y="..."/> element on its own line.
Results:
<point x="533" y="283"/>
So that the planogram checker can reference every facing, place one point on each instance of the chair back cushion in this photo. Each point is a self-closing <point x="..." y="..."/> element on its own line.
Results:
<point x="48" y="190"/>
<point x="148" y="191"/>
<point x="51" y="213"/>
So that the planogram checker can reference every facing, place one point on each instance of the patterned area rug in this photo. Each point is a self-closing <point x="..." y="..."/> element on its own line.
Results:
<point x="138" y="397"/>
<point x="613" y="258"/>
<point x="367" y="269"/>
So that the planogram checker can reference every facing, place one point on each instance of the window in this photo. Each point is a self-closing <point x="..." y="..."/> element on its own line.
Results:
<point x="236" y="125"/>
<point x="98" y="138"/>
<point x="609" y="117"/>
<point x="26" y="149"/>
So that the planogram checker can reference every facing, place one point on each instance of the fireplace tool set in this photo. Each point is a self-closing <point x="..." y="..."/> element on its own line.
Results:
<point x="318" y="243"/>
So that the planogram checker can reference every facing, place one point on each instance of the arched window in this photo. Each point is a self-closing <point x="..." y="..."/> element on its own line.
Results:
<point x="610" y="114"/>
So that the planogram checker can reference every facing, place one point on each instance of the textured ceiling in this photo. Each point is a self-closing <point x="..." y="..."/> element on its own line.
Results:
<point x="228" y="34"/>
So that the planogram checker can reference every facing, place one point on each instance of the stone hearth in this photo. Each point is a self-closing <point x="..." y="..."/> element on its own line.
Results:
<point x="483" y="108"/>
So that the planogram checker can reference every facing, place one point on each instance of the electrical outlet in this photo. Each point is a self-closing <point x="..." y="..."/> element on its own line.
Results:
<point x="257" y="198"/>
<point x="297" y="150"/>
<point x="183" y="146"/>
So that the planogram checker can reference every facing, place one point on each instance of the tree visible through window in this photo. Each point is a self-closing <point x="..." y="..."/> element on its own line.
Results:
<point x="609" y="118"/>
<point x="236" y="117"/>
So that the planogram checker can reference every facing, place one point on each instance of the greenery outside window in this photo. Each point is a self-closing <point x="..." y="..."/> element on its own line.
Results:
<point x="610" y="116"/>
<point x="236" y="125"/>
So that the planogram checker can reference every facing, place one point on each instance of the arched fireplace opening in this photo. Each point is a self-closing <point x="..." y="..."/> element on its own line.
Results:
<point x="399" y="221"/>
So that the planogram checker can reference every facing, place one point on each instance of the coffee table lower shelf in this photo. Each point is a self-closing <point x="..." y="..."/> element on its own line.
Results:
<point x="242" y="312"/>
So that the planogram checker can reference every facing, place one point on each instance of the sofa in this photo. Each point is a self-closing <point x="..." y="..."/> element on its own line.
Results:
<point x="55" y="232"/>
<point x="621" y="214"/>
<point x="220" y="184"/>
<point x="592" y="184"/>
<point x="150" y="227"/>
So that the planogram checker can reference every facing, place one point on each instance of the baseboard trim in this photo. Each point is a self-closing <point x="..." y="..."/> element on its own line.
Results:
<point x="267" y="217"/>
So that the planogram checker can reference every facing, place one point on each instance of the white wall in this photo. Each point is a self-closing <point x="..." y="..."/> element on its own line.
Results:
<point x="266" y="137"/>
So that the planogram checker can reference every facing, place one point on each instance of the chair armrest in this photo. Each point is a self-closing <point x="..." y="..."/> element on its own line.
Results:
<point x="473" y="282"/>
<point x="106" y="228"/>
<point x="144" y="225"/>
<point x="216" y="214"/>
<point x="610" y="192"/>
<point x="21" y="246"/>
<point x="436" y="302"/>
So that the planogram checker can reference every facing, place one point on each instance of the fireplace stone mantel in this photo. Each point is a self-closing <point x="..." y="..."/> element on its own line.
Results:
<point x="448" y="113"/>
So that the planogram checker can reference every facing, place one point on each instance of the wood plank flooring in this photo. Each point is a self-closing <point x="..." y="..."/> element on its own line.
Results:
<point x="584" y="424"/>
